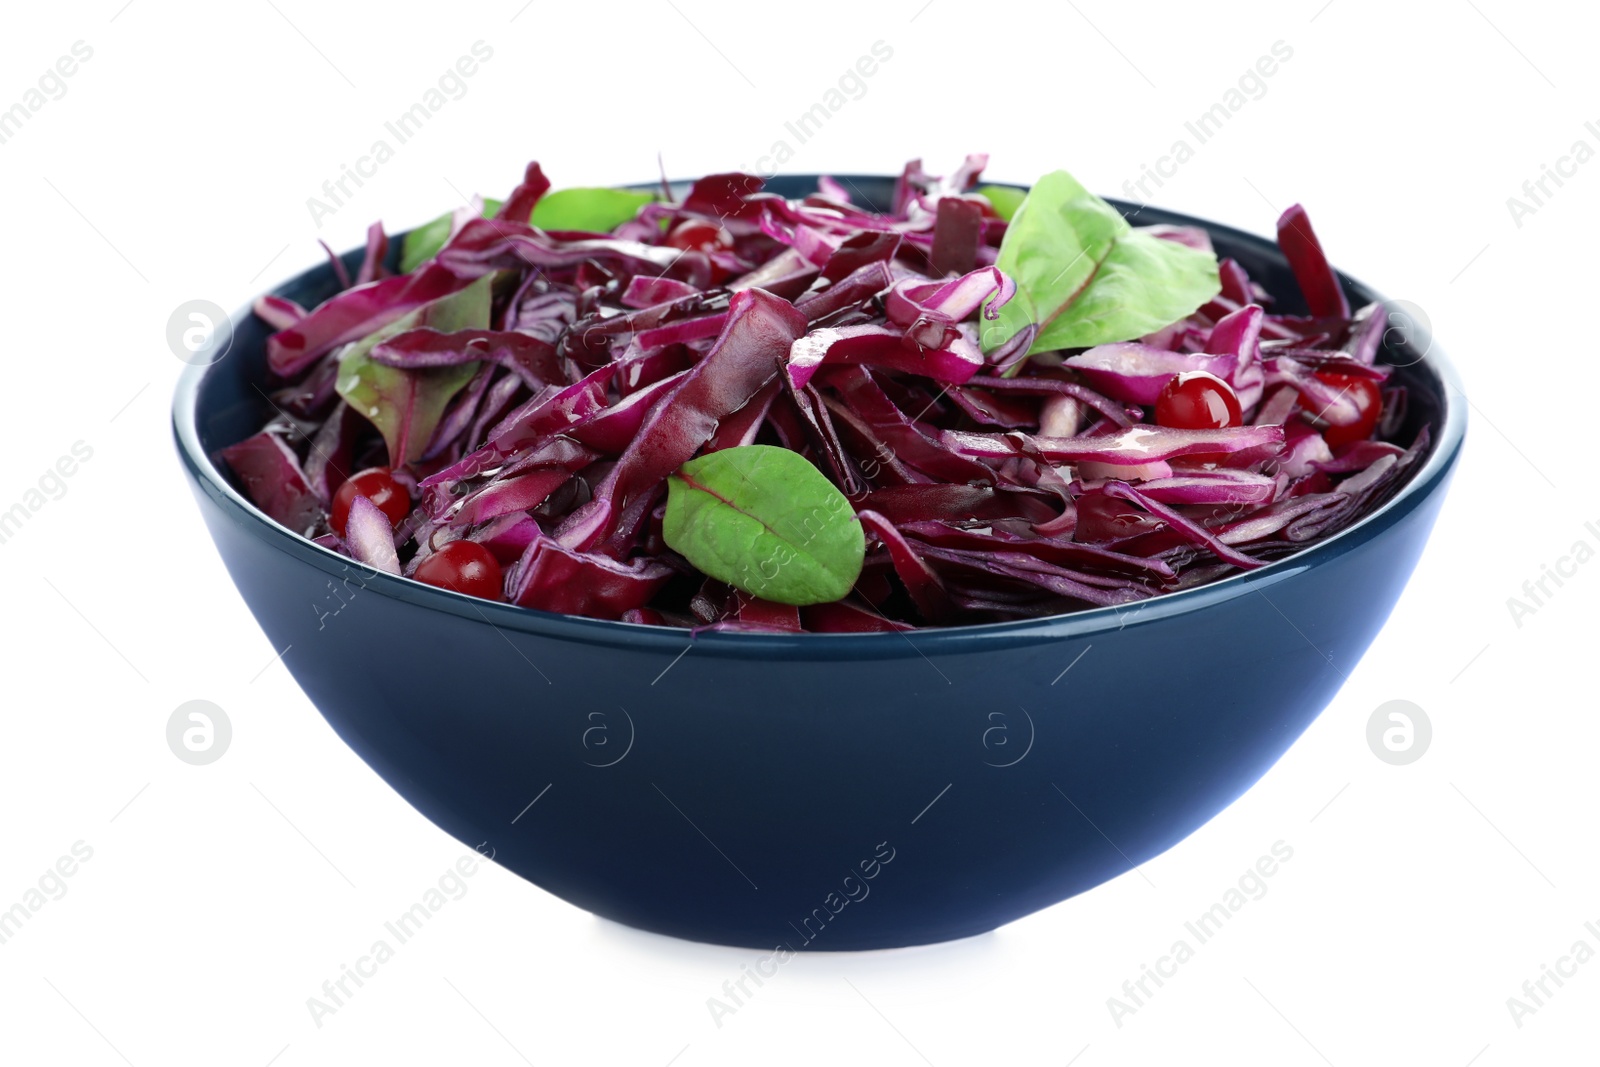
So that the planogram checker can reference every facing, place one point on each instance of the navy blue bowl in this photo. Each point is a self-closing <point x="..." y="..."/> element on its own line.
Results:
<point x="826" y="791"/>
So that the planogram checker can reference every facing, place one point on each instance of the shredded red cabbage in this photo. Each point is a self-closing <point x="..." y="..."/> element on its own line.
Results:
<point x="852" y="337"/>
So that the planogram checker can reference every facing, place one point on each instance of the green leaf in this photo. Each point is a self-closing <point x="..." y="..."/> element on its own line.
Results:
<point x="1004" y="199"/>
<point x="1051" y="250"/>
<point x="765" y="520"/>
<point x="1088" y="278"/>
<point x="595" y="210"/>
<point x="1144" y="284"/>
<point x="406" y="405"/>
<point x="424" y="242"/>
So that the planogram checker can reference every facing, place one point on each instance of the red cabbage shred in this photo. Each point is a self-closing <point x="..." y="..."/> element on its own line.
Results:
<point x="850" y="337"/>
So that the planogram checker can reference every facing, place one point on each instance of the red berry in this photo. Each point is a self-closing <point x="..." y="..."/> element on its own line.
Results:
<point x="1364" y="393"/>
<point x="698" y="235"/>
<point x="378" y="486"/>
<point x="1196" y="400"/>
<point x="465" y="567"/>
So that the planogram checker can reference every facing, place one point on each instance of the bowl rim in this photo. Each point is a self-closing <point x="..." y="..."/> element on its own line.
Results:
<point x="1430" y="477"/>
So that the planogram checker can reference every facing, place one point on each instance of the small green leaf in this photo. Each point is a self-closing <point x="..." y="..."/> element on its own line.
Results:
<point x="406" y="405"/>
<point x="1004" y="199"/>
<point x="765" y="520"/>
<point x="595" y="210"/>
<point x="1088" y="278"/>
<point x="424" y="242"/>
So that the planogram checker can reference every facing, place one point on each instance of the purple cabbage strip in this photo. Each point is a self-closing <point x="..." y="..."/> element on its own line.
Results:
<point x="1212" y="487"/>
<point x="355" y="313"/>
<point x="271" y="477"/>
<point x="370" y="537"/>
<point x="1324" y="296"/>
<point x="328" y="459"/>
<point x="372" y="262"/>
<point x="1185" y="526"/>
<point x="555" y="578"/>
<point x="749" y="353"/>
<point x="922" y="584"/>
<point x="882" y="346"/>
<point x="1136" y="444"/>
<point x="529" y="358"/>
<point x="518" y="207"/>
<point x="860" y="394"/>
<point x="957" y="231"/>
<point x="990" y="486"/>
<point x="278" y="312"/>
<point x="462" y="413"/>
<point x="1136" y="373"/>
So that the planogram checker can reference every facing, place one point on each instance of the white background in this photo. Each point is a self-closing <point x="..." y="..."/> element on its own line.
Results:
<point x="218" y="899"/>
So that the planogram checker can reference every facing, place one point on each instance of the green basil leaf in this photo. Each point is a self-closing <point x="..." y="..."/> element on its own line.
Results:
<point x="406" y="405"/>
<point x="595" y="210"/>
<point x="1004" y="199"/>
<point x="1066" y="247"/>
<point x="424" y="242"/>
<point x="765" y="520"/>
